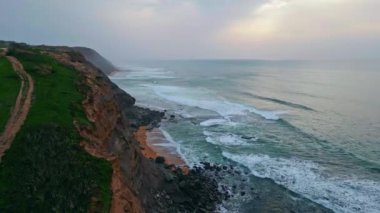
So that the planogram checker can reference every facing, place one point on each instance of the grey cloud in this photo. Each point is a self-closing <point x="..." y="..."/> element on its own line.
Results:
<point x="131" y="29"/>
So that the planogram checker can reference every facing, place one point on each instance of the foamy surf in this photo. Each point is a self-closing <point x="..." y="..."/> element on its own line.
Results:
<point x="307" y="178"/>
<point x="207" y="100"/>
<point x="228" y="104"/>
<point x="142" y="73"/>
<point x="226" y="139"/>
<point x="174" y="144"/>
<point x="217" y="121"/>
<point x="213" y="122"/>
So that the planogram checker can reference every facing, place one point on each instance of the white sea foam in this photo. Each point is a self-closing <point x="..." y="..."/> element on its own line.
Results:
<point x="347" y="194"/>
<point x="215" y="121"/>
<point x="225" y="139"/>
<point x="165" y="145"/>
<point x="142" y="73"/>
<point x="172" y="141"/>
<point x="206" y="100"/>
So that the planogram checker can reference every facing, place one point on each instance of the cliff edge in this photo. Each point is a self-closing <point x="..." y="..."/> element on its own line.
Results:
<point x="96" y="59"/>
<point x="77" y="150"/>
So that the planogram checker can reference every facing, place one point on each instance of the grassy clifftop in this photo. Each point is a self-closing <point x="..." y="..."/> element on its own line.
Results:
<point x="9" y="87"/>
<point x="46" y="170"/>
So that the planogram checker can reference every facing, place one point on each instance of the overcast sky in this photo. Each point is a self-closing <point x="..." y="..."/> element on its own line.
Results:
<point x="166" y="29"/>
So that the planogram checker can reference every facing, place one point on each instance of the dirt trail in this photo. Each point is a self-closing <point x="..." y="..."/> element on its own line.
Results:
<point x="21" y="107"/>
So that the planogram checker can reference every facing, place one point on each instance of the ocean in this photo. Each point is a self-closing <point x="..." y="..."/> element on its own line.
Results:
<point x="304" y="131"/>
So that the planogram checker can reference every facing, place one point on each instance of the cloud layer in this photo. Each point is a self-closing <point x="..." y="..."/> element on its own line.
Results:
<point x="272" y="29"/>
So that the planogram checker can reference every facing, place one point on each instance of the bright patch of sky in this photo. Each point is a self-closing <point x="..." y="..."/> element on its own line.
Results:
<point x="165" y="29"/>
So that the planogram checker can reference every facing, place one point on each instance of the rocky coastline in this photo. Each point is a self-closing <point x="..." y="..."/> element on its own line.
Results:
<point x="139" y="183"/>
<point x="154" y="184"/>
<point x="141" y="178"/>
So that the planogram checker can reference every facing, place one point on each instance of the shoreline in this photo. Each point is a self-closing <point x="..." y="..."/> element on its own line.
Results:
<point x="153" y="144"/>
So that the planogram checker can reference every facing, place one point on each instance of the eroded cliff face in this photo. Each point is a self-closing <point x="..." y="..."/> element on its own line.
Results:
<point x="138" y="184"/>
<point x="110" y="136"/>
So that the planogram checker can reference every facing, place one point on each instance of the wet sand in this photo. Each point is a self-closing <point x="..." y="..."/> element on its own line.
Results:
<point x="153" y="144"/>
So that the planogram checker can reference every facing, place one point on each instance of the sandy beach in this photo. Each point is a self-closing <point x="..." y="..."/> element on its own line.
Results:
<point x="153" y="144"/>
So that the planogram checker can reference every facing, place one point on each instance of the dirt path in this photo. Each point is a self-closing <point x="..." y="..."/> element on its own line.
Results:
<point x="21" y="107"/>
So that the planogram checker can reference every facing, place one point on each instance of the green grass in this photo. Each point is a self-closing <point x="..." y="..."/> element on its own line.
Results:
<point x="46" y="170"/>
<point x="50" y="173"/>
<point x="57" y="99"/>
<point x="9" y="88"/>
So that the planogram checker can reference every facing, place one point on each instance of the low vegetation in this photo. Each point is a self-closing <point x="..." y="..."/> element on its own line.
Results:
<point x="46" y="170"/>
<point x="9" y="87"/>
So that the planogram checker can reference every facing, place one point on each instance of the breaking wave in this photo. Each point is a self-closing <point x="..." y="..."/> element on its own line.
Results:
<point x="341" y="194"/>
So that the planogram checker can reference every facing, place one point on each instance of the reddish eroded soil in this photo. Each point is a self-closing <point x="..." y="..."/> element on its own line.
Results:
<point x="102" y="110"/>
<point x="141" y="137"/>
<point x="123" y="199"/>
<point x="21" y="107"/>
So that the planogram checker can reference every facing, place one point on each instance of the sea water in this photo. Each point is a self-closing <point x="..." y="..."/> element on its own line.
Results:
<point x="305" y="131"/>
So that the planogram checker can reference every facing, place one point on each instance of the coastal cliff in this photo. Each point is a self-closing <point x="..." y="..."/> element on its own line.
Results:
<point x="137" y="184"/>
<point x="96" y="59"/>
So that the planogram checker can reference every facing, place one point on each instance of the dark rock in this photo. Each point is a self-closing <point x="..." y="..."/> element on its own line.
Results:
<point x="209" y="207"/>
<point x="181" y="200"/>
<point x="160" y="160"/>
<point x="182" y="184"/>
<point x="206" y="165"/>
<point x="202" y="210"/>
<point x="246" y="137"/>
<point x="168" y="177"/>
